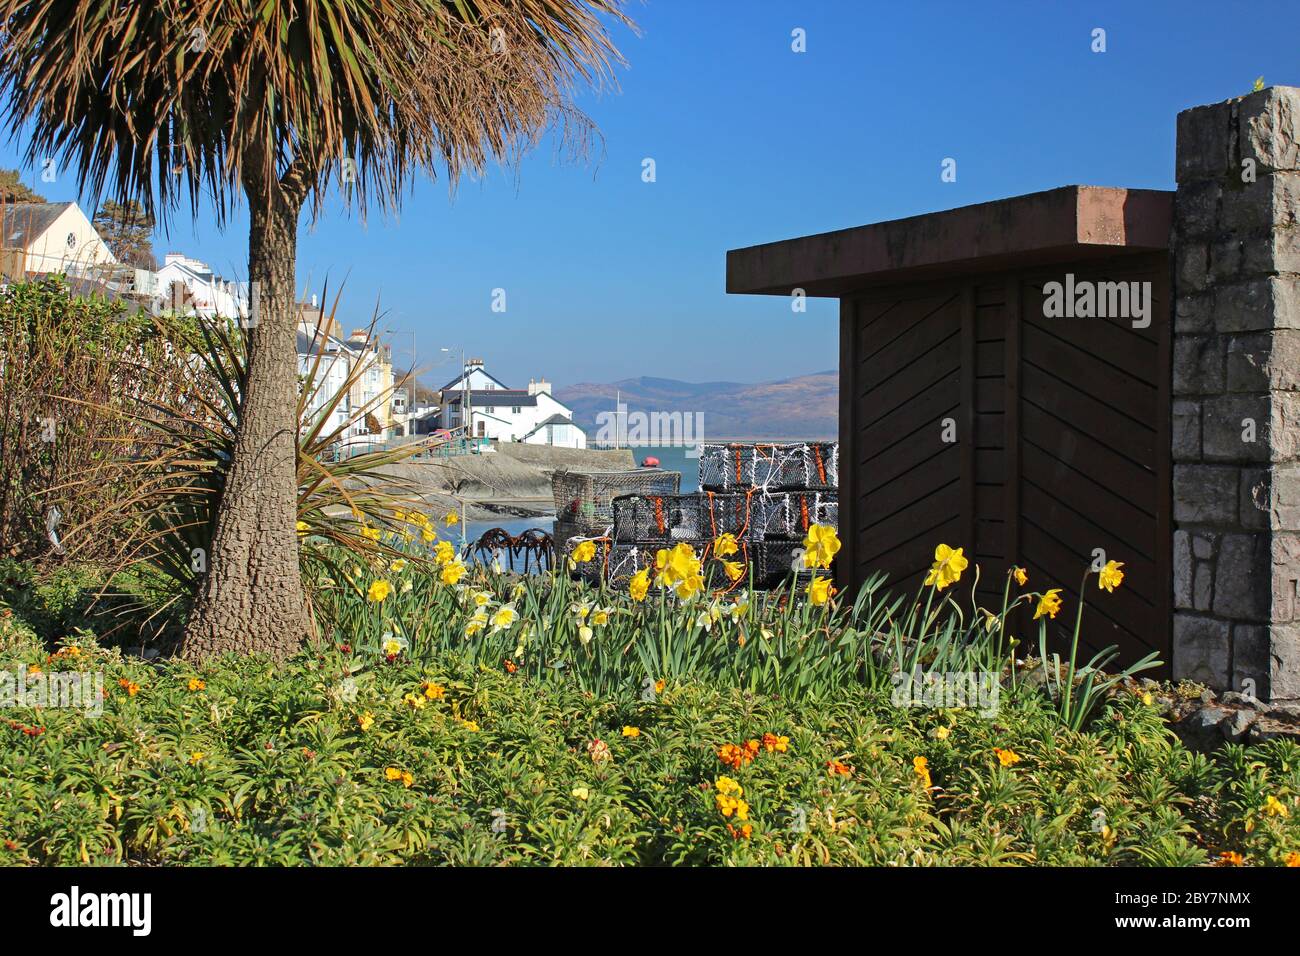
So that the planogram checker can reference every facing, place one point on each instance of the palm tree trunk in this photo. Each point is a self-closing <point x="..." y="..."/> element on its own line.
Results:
<point x="251" y="598"/>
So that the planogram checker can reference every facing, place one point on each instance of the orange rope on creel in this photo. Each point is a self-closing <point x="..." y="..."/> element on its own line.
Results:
<point x="659" y="512"/>
<point x="713" y="521"/>
<point x="803" y="509"/>
<point x="737" y="457"/>
<point x="821" y="468"/>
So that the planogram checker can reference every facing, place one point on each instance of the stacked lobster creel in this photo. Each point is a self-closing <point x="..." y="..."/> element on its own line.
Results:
<point x="765" y="495"/>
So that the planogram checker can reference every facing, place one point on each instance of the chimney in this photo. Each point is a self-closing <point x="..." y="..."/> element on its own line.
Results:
<point x="539" y="387"/>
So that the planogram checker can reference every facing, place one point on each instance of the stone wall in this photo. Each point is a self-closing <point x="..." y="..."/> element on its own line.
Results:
<point x="1236" y="395"/>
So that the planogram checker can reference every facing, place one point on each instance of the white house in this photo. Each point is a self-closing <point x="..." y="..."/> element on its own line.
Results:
<point x="206" y="293"/>
<point x="331" y="374"/>
<point x="49" y="237"/>
<point x="495" y="411"/>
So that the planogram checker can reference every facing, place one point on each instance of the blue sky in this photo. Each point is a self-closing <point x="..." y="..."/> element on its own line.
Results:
<point x="609" y="277"/>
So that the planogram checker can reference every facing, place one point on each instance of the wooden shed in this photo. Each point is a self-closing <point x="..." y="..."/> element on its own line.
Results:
<point x="977" y="411"/>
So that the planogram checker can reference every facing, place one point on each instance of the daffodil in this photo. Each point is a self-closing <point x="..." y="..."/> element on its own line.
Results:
<point x="452" y="572"/>
<point x="584" y="552"/>
<point x="504" y="617"/>
<point x="303" y="527"/>
<point x="600" y="616"/>
<point x="444" y="552"/>
<point x="639" y="586"/>
<point x="371" y="534"/>
<point x="948" y="565"/>
<point x="819" y="591"/>
<point x="735" y="570"/>
<point x="1020" y="574"/>
<point x="820" y="546"/>
<point x="451" y="519"/>
<point x="725" y="545"/>
<point x="398" y="566"/>
<point x="1049" y="604"/>
<point x="1110" y="577"/>
<point x="378" y="591"/>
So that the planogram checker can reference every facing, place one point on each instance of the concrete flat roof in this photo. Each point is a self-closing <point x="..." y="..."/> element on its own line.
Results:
<point x="1071" y="222"/>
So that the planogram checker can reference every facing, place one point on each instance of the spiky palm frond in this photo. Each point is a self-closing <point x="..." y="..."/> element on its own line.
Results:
<point x="159" y="99"/>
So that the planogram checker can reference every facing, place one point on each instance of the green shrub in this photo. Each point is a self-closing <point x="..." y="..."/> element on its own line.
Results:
<point x="243" y="763"/>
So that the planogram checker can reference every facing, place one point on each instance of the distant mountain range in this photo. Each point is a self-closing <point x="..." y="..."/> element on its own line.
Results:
<point x="802" y="407"/>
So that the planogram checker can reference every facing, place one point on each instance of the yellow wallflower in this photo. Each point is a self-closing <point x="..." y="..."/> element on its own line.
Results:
<point x="1007" y="758"/>
<point x="921" y="767"/>
<point x="819" y="590"/>
<point x="729" y="787"/>
<point x="378" y="591"/>
<point x="1274" y="807"/>
<point x="196" y="684"/>
<point x="1049" y="604"/>
<point x="433" y="691"/>
<point x="196" y="756"/>
<point x="948" y="565"/>
<point x="366" y="721"/>
<point x="639" y="586"/>
<point x="414" y="701"/>
<point x="1110" y="577"/>
<point x="725" y="545"/>
<point x="820" y="546"/>
<point x="631" y="731"/>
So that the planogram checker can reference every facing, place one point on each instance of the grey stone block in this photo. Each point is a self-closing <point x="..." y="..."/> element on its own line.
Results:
<point x="1268" y="127"/>
<point x="1182" y="570"/>
<point x="1205" y="494"/>
<point x="1255" y="305"/>
<point x="1199" y="364"/>
<point x="1236" y="428"/>
<point x="1203" y="586"/>
<point x="1242" y="582"/>
<point x="1226" y="257"/>
<point x="1256" y="499"/>
<point x="1283" y="496"/>
<point x="1203" y="545"/>
<point x="1284" y="662"/>
<point x="1201" y="650"/>
<point x="1284" y="547"/>
<point x="1191" y="266"/>
<point x="1250" y="659"/>
<point x="1194" y="313"/>
<point x="1284" y="426"/>
<point x="1203" y="142"/>
<point x="1186" y="438"/>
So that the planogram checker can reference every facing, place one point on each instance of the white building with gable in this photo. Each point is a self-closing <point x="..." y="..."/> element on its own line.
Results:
<point x="493" y="410"/>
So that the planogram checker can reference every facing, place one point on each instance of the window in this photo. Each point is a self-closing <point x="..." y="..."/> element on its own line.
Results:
<point x="491" y="410"/>
<point x="515" y="409"/>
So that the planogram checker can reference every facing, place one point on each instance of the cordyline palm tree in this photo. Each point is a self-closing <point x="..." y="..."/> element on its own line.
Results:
<point x="274" y="100"/>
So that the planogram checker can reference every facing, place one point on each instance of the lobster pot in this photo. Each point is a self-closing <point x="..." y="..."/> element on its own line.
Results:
<point x="667" y="519"/>
<point x="772" y="467"/>
<point x="774" y="560"/>
<point x="789" y="514"/>
<point x="626" y="558"/>
<point x="585" y="499"/>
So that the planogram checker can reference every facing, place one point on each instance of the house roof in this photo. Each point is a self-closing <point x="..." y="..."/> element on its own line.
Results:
<point x="457" y="379"/>
<point x="1057" y="225"/>
<point x="493" y="396"/>
<point x="558" y="419"/>
<point x="25" y="222"/>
